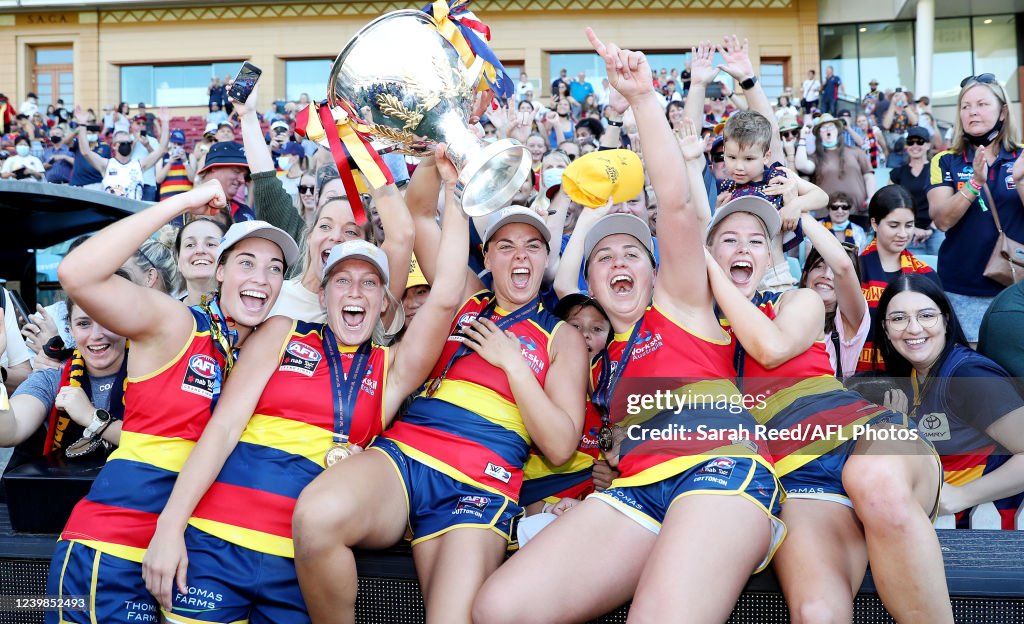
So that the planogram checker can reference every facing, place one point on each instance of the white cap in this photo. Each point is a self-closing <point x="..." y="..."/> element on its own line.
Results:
<point x="618" y="223"/>
<point x="279" y="123"/>
<point x="515" y="214"/>
<point x="211" y="128"/>
<point x="757" y="206"/>
<point x="358" y="249"/>
<point x="259" y="229"/>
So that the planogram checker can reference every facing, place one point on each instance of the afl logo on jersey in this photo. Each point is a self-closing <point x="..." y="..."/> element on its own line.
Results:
<point x="300" y="358"/>
<point x="202" y="376"/>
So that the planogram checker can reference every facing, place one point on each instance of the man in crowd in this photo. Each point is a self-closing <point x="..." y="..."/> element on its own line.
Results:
<point x="226" y="163"/>
<point x="830" y="92"/>
<point x="83" y="174"/>
<point x="225" y="131"/>
<point x="177" y="171"/>
<point x="143" y="146"/>
<point x="562" y="77"/>
<point x="810" y="92"/>
<point x="579" y="89"/>
<point x="123" y="173"/>
<point x="57" y="158"/>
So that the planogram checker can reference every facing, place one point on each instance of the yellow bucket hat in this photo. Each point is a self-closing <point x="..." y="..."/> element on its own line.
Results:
<point x="416" y="277"/>
<point x="594" y="178"/>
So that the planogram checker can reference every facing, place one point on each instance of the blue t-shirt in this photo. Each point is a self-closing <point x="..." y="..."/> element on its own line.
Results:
<point x="579" y="92"/>
<point x="830" y="90"/>
<point x="969" y="243"/>
<point x="84" y="173"/>
<point x="44" y="385"/>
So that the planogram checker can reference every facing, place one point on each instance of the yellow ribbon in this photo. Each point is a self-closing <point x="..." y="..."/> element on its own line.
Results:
<point x="451" y="32"/>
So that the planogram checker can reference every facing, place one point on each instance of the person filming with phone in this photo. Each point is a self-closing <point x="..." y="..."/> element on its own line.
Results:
<point x="124" y="173"/>
<point x="178" y="171"/>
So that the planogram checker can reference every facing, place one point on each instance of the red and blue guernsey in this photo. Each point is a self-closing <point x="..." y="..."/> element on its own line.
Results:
<point x="705" y="418"/>
<point x="283" y="446"/>
<point x="543" y="480"/>
<point x="165" y="413"/>
<point x="469" y="427"/>
<point x="804" y="397"/>
<point x="176" y="182"/>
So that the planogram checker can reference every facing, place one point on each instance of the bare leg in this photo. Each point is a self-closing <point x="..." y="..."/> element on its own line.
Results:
<point x="893" y="486"/>
<point x="358" y="502"/>
<point x="708" y="547"/>
<point x="451" y="569"/>
<point x="580" y="567"/>
<point x="821" y="564"/>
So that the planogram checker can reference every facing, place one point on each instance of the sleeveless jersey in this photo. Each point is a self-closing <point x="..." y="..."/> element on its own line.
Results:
<point x="123" y="180"/>
<point x="471" y="428"/>
<point x="804" y="397"/>
<point x="544" y="480"/>
<point x="282" y="448"/>
<point x="165" y="413"/>
<point x="699" y="371"/>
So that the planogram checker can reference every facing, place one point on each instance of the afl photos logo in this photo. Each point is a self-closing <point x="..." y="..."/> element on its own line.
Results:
<point x="202" y="376"/>
<point x="300" y="358"/>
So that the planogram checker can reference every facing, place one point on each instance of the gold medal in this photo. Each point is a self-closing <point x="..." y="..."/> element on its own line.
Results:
<point x="337" y="453"/>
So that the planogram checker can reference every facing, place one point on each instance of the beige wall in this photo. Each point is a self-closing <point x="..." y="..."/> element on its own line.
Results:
<point x="104" y="40"/>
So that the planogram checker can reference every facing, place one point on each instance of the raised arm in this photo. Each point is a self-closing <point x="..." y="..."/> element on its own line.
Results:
<point x="98" y="162"/>
<point x="398" y="237"/>
<point x="413" y="358"/>
<point x="692" y="147"/>
<point x="256" y="150"/>
<point x="568" y="274"/>
<point x="738" y="65"/>
<point x="849" y="296"/>
<point x="702" y="73"/>
<point x="165" y="136"/>
<point x="139" y="313"/>
<point x="630" y="74"/>
<point x="803" y="163"/>
<point x="772" y="342"/>
<point x="166" y="559"/>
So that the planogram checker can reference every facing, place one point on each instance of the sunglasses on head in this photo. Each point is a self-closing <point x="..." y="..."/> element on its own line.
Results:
<point x="983" y="78"/>
<point x="303" y="189"/>
<point x="840" y="206"/>
<point x="915" y="141"/>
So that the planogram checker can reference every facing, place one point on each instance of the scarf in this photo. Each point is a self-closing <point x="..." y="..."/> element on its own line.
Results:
<point x="224" y="338"/>
<point x="908" y="263"/>
<point x="847" y="231"/>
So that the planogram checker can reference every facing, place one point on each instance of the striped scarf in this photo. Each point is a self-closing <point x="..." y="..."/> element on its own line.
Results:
<point x="847" y="232"/>
<point x="908" y="263"/>
<point x="60" y="426"/>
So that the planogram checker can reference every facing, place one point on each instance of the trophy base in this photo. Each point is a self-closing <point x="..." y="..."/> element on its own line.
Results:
<point x="493" y="177"/>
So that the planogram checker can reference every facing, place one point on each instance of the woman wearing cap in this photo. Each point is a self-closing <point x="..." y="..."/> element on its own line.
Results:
<point x="305" y="397"/>
<point x="914" y="178"/>
<point x="848" y="500"/>
<point x="177" y="362"/>
<point x="981" y="173"/>
<point x="835" y="167"/>
<point x="451" y="468"/>
<point x="674" y="512"/>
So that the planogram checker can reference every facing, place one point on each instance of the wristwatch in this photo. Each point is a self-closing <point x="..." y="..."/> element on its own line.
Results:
<point x="100" y="421"/>
<point x="748" y="83"/>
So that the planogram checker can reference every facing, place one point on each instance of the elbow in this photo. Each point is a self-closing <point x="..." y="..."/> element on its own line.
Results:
<point x="771" y="357"/>
<point x="72" y="274"/>
<point x="561" y="452"/>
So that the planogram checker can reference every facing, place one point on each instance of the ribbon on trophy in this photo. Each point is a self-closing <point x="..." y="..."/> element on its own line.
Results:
<point x="469" y="35"/>
<point x="347" y="142"/>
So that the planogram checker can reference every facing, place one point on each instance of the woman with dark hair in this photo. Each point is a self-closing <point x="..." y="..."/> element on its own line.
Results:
<point x="832" y="271"/>
<point x="835" y="167"/>
<point x="675" y="112"/>
<point x="982" y="167"/>
<point x="914" y="176"/>
<point x="559" y="125"/>
<point x="195" y="247"/>
<point x="967" y="404"/>
<point x="886" y="258"/>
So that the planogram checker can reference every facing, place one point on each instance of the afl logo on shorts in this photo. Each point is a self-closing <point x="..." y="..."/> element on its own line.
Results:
<point x="300" y="358"/>
<point x="472" y="505"/>
<point x="202" y="376"/>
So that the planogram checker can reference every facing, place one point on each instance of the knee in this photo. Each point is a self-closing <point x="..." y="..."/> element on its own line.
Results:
<point x="881" y="491"/>
<point x="319" y="520"/>
<point x="819" y="611"/>
<point x="493" y="606"/>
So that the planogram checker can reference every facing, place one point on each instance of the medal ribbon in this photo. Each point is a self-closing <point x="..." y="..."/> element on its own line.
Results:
<point x="608" y="380"/>
<point x="469" y="36"/>
<point x="345" y="388"/>
<point x="224" y="338"/>
<point x="526" y="312"/>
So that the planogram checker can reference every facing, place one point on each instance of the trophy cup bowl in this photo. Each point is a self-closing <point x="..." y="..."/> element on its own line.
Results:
<point x="409" y="85"/>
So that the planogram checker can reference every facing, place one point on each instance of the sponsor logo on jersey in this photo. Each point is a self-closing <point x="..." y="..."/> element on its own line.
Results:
<point x="497" y="472"/>
<point x="934" y="427"/>
<point x="300" y="358"/>
<point x="471" y="505"/>
<point x="202" y="377"/>
<point x="720" y="466"/>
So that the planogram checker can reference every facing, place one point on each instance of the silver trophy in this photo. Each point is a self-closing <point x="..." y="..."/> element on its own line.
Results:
<point x="409" y="85"/>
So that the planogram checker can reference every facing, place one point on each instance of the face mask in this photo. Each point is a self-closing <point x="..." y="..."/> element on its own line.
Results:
<point x="56" y="139"/>
<point x="92" y="138"/>
<point x="830" y="144"/>
<point x="22" y="150"/>
<point x="988" y="137"/>
<point x="552" y="177"/>
<point x="284" y="162"/>
<point x="124" y="149"/>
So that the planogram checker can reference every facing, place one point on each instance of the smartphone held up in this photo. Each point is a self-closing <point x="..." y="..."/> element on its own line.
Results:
<point x="244" y="82"/>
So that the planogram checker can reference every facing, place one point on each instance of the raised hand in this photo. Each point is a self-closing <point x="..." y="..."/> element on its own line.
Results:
<point x="628" y="71"/>
<point x="449" y="175"/>
<point x="737" y="58"/>
<point x="690" y="142"/>
<point x="702" y="70"/>
<point x="206" y="199"/>
<point x="80" y="115"/>
<point x="616" y="102"/>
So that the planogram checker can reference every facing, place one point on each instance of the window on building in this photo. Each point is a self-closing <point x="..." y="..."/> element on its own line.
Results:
<point x="886" y="55"/>
<point x="592" y="65"/>
<point x="773" y="78"/>
<point x="995" y="50"/>
<point x="951" y="60"/>
<point x="172" y="85"/>
<point x="839" y="50"/>
<point x="307" y="76"/>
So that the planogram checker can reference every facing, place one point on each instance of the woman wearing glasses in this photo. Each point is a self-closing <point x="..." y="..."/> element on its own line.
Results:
<point x="838" y="222"/>
<point x="305" y="204"/>
<point x="892" y="217"/>
<point x="966" y="403"/>
<point x="914" y="177"/>
<point x="980" y="173"/>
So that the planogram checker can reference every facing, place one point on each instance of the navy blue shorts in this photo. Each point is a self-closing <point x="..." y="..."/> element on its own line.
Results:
<point x="112" y="587"/>
<point x="438" y="503"/>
